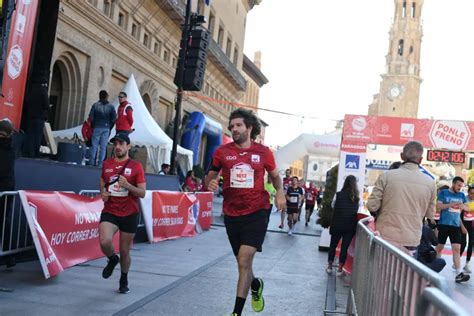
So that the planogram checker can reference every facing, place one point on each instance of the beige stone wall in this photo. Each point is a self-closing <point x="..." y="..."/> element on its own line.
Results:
<point x="100" y="43"/>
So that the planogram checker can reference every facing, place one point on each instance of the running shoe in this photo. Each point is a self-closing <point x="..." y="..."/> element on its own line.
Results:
<point x="340" y="273"/>
<point x="467" y="268"/>
<point x="290" y="232"/>
<point x="258" y="303"/>
<point x="123" y="286"/>
<point x="280" y="226"/>
<point x="329" y="270"/>
<point x="123" y="290"/>
<point x="109" y="268"/>
<point x="461" y="277"/>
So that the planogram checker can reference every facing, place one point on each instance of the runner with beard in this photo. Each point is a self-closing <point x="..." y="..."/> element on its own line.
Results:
<point x="122" y="182"/>
<point x="451" y="203"/>
<point x="243" y="164"/>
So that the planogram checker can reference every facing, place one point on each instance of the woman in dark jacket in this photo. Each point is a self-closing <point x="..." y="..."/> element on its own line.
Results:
<point x="343" y="225"/>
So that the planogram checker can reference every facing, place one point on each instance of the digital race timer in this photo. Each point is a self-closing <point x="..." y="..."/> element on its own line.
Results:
<point x="446" y="156"/>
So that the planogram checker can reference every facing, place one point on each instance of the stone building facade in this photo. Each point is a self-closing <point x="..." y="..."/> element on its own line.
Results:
<point x="400" y="87"/>
<point x="100" y="43"/>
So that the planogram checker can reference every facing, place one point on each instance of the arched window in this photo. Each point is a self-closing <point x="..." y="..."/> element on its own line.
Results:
<point x="400" y="47"/>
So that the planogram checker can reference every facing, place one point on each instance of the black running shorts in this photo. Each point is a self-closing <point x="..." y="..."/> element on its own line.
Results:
<point x="126" y="224"/>
<point x="246" y="230"/>
<point x="292" y="210"/>
<point x="453" y="232"/>
<point x="309" y="207"/>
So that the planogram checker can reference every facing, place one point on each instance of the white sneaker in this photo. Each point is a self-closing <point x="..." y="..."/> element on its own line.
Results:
<point x="290" y="232"/>
<point x="340" y="273"/>
<point x="466" y="268"/>
<point x="329" y="270"/>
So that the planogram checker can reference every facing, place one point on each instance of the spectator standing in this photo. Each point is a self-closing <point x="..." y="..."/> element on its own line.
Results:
<point x="344" y="221"/>
<point x="402" y="198"/>
<point x="124" y="115"/>
<point x="36" y="110"/>
<point x="102" y="117"/>
<point x="165" y="169"/>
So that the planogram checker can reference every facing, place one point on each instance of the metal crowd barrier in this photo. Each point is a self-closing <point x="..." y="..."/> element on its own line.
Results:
<point x="15" y="232"/>
<point x="94" y="193"/>
<point x="386" y="281"/>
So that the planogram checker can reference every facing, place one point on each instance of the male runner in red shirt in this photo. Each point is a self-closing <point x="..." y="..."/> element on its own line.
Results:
<point x="243" y="164"/>
<point x="311" y="195"/>
<point x="122" y="182"/>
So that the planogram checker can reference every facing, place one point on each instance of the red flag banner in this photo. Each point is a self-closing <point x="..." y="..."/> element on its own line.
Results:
<point x="17" y="60"/>
<point x="65" y="228"/>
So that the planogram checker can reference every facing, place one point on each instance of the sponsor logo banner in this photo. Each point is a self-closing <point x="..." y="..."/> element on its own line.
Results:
<point x="168" y="215"/>
<point x="64" y="227"/>
<point x="384" y="130"/>
<point x="354" y="164"/>
<point x="203" y="207"/>
<point x="18" y="60"/>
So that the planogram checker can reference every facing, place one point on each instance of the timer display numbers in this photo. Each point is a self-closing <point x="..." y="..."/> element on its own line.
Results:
<point x="446" y="156"/>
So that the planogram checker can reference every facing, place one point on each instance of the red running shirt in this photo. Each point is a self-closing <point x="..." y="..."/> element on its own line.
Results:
<point x="310" y="195"/>
<point x="122" y="202"/>
<point x="243" y="170"/>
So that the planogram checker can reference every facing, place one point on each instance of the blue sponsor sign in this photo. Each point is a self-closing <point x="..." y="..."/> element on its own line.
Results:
<point x="352" y="162"/>
<point x="377" y="164"/>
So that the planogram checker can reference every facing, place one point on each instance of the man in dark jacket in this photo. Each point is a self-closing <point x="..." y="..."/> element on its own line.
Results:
<point x="102" y="117"/>
<point x="36" y="110"/>
<point x="425" y="253"/>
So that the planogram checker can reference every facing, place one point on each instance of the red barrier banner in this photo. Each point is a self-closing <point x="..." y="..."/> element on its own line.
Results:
<point x="172" y="215"/>
<point x="17" y="59"/>
<point x="203" y="205"/>
<point x="64" y="227"/>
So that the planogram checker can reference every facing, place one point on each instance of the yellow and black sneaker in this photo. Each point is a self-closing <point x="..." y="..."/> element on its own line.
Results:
<point x="258" y="303"/>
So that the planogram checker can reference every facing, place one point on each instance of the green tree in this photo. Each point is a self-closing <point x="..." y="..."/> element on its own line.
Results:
<point x="325" y="215"/>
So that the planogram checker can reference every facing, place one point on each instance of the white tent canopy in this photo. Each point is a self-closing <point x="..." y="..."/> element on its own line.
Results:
<point x="307" y="144"/>
<point x="147" y="132"/>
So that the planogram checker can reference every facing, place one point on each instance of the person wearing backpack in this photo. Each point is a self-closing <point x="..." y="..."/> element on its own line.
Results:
<point x="102" y="117"/>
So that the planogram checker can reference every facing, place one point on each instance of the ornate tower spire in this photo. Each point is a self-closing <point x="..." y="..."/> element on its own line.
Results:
<point x="400" y="86"/>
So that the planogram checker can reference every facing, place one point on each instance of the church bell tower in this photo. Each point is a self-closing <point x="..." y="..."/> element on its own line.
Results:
<point x="400" y="86"/>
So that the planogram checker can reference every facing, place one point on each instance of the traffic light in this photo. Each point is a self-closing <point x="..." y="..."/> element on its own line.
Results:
<point x="195" y="60"/>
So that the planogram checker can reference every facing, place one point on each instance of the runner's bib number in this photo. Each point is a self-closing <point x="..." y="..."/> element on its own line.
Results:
<point x="242" y="177"/>
<point x="293" y="199"/>
<point x="116" y="190"/>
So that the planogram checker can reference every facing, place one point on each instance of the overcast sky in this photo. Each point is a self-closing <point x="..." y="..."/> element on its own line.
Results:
<point x="324" y="59"/>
